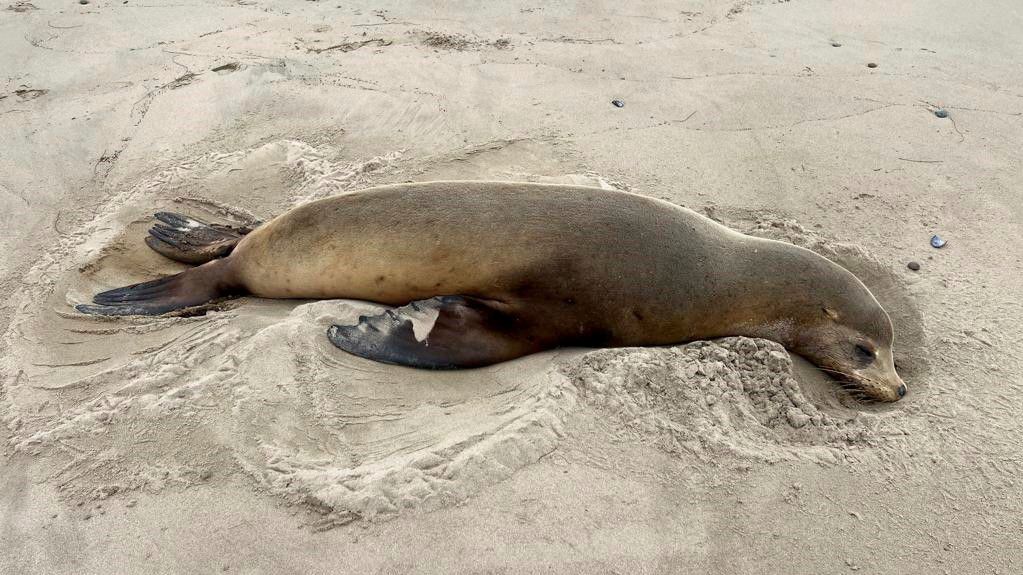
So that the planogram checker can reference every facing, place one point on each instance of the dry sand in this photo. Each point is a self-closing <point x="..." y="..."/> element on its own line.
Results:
<point x="242" y="441"/>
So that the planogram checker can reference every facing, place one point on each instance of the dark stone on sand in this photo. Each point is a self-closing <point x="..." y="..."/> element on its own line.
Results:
<point x="915" y="266"/>
<point x="618" y="103"/>
<point x="872" y="65"/>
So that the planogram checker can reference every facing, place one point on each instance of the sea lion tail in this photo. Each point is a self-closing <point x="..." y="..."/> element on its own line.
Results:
<point x="193" y="241"/>
<point x="189" y="291"/>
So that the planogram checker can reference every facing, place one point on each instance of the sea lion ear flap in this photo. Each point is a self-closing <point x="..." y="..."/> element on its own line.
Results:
<point x="830" y="313"/>
<point x="446" y="332"/>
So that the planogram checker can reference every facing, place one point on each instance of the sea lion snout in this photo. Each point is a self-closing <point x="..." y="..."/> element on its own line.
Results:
<point x="884" y="372"/>
<point x="881" y="383"/>
<point x="900" y="389"/>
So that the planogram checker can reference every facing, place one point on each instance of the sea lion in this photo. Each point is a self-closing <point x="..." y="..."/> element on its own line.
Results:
<point x="485" y="272"/>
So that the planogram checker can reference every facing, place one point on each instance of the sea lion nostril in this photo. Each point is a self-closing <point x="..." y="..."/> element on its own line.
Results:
<point x="902" y="390"/>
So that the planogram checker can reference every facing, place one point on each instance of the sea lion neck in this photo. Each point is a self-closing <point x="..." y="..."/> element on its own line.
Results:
<point x="782" y="292"/>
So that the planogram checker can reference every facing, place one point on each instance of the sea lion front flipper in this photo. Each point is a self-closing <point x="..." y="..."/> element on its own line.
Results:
<point x="444" y="332"/>
<point x="192" y="241"/>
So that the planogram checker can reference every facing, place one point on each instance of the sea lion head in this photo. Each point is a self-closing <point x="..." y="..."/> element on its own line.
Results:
<point x="820" y="310"/>
<point x="852" y="341"/>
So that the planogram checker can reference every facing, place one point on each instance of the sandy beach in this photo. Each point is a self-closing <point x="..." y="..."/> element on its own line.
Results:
<point x="242" y="441"/>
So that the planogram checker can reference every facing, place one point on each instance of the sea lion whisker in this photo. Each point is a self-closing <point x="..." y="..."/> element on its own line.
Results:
<point x="826" y="370"/>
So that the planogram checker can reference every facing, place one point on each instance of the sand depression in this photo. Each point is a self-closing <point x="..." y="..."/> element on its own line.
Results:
<point x="256" y="392"/>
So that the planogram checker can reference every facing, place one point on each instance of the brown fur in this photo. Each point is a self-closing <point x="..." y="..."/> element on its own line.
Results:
<point x="577" y="265"/>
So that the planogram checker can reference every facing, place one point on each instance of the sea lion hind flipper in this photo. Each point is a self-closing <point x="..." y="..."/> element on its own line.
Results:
<point x="192" y="241"/>
<point x="188" y="289"/>
<point x="444" y="332"/>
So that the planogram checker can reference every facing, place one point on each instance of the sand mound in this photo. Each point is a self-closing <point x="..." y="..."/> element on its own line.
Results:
<point x="731" y="397"/>
<point x="255" y="390"/>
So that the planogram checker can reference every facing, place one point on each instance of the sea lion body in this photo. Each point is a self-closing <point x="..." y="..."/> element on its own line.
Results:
<point x="607" y="260"/>
<point x="521" y="267"/>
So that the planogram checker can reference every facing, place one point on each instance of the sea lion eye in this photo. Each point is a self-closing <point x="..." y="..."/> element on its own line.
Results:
<point x="864" y="353"/>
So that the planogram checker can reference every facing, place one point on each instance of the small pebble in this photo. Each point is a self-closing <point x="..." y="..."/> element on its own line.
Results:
<point x="618" y="103"/>
<point x="83" y="1"/>
<point x="836" y="44"/>
<point x="941" y="113"/>
<point x="872" y="65"/>
<point x="937" y="242"/>
<point x="915" y="266"/>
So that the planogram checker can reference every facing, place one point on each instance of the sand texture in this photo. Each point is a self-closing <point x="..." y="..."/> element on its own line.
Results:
<point x="243" y="441"/>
